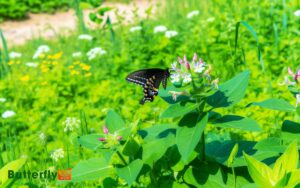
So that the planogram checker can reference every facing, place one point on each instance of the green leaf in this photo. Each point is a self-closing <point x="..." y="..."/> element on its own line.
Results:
<point x="239" y="122"/>
<point x="91" y="169"/>
<point x="230" y="92"/>
<point x="178" y="109"/>
<point x="157" y="132"/>
<point x="187" y="137"/>
<point x="131" y="171"/>
<point x="114" y="122"/>
<point x="165" y="95"/>
<point x="290" y="130"/>
<point x="270" y="144"/>
<point x="259" y="172"/>
<point x="91" y="141"/>
<point x="232" y="155"/>
<point x="274" y="104"/>
<point x="131" y="147"/>
<point x="294" y="179"/>
<point x="13" y="165"/>
<point x="103" y="10"/>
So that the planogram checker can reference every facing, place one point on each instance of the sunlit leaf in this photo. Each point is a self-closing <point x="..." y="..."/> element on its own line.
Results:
<point x="131" y="171"/>
<point x="274" y="104"/>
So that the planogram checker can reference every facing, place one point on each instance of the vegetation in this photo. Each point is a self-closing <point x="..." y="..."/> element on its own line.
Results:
<point x="228" y="118"/>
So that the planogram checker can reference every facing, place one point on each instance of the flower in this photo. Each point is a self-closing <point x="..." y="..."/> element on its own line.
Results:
<point x="25" y="78"/>
<point x="215" y="83"/>
<point x="135" y="28"/>
<point x="180" y="60"/>
<point x="174" y="66"/>
<point x="57" y="154"/>
<point x="175" y="77"/>
<point x="112" y="138"/>
<point x="295" y="76"/>
<point x="105" y="130"/>
<point x="170" y="34"/>
<point x="192" y="14"/>
<point x="70" y="123"/>
<point x="211" y="19"/>
<point x="297" y="99"/>
<point x="13" y="55"/>
<point x="42" y="136"/>
<point x="187" y="78"/>
<point x="199" y="66"/>
<point x="94" y="52"/>
<point x="85" y="37"/>
<point x="41" y="49"/>
<point x="8" y="114"/>
<point x="31" y="64"/>
<point x="2" y="99"/>
<point x="160" y="28"/>
<point x="76" y="54"/>
<point x="297" y="13"/>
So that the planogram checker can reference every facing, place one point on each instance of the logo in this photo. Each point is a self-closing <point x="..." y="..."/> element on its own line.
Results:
<point x="64" y="174"/>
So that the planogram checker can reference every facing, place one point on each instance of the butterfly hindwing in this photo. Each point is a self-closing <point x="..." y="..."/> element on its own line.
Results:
<point x="150" y="80"/>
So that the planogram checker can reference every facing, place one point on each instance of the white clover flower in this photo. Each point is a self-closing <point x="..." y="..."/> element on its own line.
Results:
<point x="14" y="55"/>
<point x="2" y="99"/>
<point x="94" y="52"/>
<point x="187" y="78"/>
<point x="135" y="28"/>
<point x="211" y="19"/>
<point x="85" y="37"/>
<point x="175" y="77"/>
<point x="192" y="14"/>
<point x="70" y="123"/>
<point x="31" y="64"/>
<point x="57" y="154"/>
<point x="170" y="34"/>
<point x="8" y="114"/>
<point x="174" y="66"/>
<point x="160" y="28"/>
<point x="297" y="99"/>
<point x="41" y="49"/>
<point x="42" y="136"/>
<point x="199" y="67"/>
<point x="77" y="54"/>
<point x="297" y="13"/>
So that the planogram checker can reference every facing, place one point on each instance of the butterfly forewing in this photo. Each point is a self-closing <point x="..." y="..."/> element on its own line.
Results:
<point x="150" y="80"/>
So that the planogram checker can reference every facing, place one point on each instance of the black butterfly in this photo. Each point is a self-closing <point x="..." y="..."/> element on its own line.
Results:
<point x="150" y="80"/>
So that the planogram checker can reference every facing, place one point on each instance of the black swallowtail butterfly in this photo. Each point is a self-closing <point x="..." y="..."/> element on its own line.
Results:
<point x="150" y="80"/>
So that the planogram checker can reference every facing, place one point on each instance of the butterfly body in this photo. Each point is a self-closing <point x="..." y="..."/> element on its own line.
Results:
<point x="150" y="80"/>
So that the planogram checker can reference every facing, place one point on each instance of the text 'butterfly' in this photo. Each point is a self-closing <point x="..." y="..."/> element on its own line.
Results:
<point x="150" y="80"/>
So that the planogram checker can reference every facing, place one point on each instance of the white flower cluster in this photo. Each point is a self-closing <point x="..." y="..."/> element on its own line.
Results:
<point x="135" y="28"/>
<point x="57" y="154"/>
<point x="85" y="37"/>
<point x="163" y="29"/>
<point x="31" y="64"/>
<point x="297" y="13"/>
<point x="94" y="52"/>
<point x="192" y="14"/>
<point x="70" y="123"/>
<point x="41" y="49"/>
<point x="14" y="55"/>
<point x="2" y="99"/>
<point x="8" y="114"/>
<point x="77" y="54"/>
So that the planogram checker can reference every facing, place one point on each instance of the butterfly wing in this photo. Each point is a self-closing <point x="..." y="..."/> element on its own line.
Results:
<point x="150" y="80"/>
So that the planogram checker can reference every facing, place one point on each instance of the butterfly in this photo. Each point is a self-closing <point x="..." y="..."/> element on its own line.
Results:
<point x="150" y="80"/>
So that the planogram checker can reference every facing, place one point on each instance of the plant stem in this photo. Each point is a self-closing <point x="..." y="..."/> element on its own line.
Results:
<point x="203" y="147"/>
<point x="121" y="157"/>
<point x="234" y="179"/>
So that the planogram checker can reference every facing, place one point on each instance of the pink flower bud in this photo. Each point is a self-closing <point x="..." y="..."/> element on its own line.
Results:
<point x="101" y="139"/>
<point x="201" y="61"/>
<point x="187" y="65"/>
<point x="119" y="137"/>
<point x="195" y="57"/>
<point x="105" y="130"/>
<point x="184" y="59"/>
<point x="180" y="60"/>
<point x="290" y="72"/>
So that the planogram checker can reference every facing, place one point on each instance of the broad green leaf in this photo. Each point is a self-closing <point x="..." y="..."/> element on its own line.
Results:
<point x="161" y="145"/>
<point x="114" y="122"/>
<point x="287" y="162"/>
<point x="290" y="131"/>
<point x="157" y="131"/>
<point x="179" y="109"/>
<point x="270" y="144"/>
<point x="259" y="172"/>
<point x="232" y="155"/>
<point x="130" y="147"/>
<point x="13" y="165"/>
<point x="131" y="171"/>
<point x="167" y="96"/>
<point x="274" y="104"/>
<point x="239" y="122"/>
<point x="294" y="179"/>
<point x="187" y="137"/>
<point x="91" y="169"/>
<point x="91" y="141"/>
<point x="230" y="92"/>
